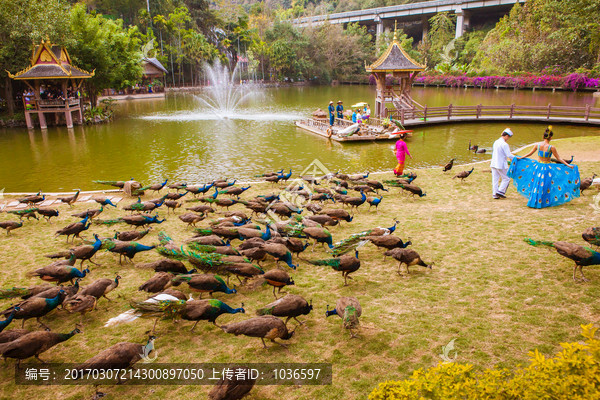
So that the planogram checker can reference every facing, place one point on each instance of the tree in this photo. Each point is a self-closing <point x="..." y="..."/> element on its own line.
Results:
<point x="541" y="34"/>
<point x="100" y="44"/>
<point x="23" y="22"/>
<point x="441" y="33"/>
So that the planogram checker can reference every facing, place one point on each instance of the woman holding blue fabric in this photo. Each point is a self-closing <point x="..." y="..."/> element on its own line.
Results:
<point x="544" y="183"/>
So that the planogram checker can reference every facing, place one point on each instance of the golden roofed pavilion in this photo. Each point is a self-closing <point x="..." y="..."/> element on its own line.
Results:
<point x="396" y="62"/>
<point x="51" y="67"/>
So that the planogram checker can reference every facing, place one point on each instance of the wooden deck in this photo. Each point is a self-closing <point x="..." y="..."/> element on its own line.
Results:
<point x="410" y="118"/>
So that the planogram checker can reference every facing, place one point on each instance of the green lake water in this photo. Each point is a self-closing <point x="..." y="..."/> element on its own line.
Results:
<point x="179" y="139"/>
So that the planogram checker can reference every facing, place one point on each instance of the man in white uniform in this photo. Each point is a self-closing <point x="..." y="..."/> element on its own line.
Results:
<point x="500" y="153"/>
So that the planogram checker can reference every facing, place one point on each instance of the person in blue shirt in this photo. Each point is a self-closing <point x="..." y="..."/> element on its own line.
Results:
<point x="331" y="113"/>
<point x="354" y="116"/>
<point x="340" y="110"/>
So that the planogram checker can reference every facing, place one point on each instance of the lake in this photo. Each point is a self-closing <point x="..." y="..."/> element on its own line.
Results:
<point x="179" y="139"/>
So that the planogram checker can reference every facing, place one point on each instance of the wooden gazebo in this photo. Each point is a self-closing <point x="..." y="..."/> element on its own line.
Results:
<point x="51" y="66"/>
<point x="400" y="65"/>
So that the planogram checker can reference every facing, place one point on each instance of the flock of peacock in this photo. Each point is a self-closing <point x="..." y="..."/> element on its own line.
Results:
<point x="262" y="243"/>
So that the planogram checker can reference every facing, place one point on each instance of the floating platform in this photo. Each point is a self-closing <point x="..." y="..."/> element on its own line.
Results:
<point x="366" y="133"/>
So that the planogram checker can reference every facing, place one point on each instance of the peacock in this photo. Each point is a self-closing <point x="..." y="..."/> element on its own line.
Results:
<point x="413" y="189"/>
<point x="388" y="242"/>
<point x="358" y="239"/>
<point x="191" y="218"/>
<point x="204" y="283"/>
<point x="74" y="229"/>
<point x="119" y="356"/>
<point x="35" y="307"/>
<point x="48" y="213"/>
<point x="86" y="251"/>
<point x="586" y="183"/>
<point x="25" y="213"/>
<point x="141" y="220"/>
<point x="165" y="265"/>
<point x="463" y="175"/>
<point x="33" y="344"/>
<point x="234" y="191"/>
<point x="349" y="310"/>
<point x="345" y="264"/>
<point x="10" y="226"/>
<point x="449" y="165"/>
<point x="199" y="189"/>
<point x="583" y="256"/>
<point x="104" y="201"/>
<point x="126" y="249"/>
<point x="133" y="314"/>
<point x="191" y="310"/>
<point x="408" y="257"/>
<point x="32" y="199"/>
<point x="101" y="287"/>
<point x="264" y="327"/>
<point x="235" y="388"/>
<point x="58" y="273"/>
<point x="70" y="200"/>
<point x="319" y="235"/>
<point x="157" y="187"/>
<point x="280" y="252"/>
<point x="374" y="201"/>
<point x="278" y="279"/>
<point x="290" y="306"/>
<point x="80" y="303"/>
<point x="9" y="318"/>
<point x="592" y="236"/>
<point x="129" y="236"/>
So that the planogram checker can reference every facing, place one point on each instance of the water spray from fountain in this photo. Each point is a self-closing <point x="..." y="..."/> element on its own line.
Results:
<point x="223" y="95"/>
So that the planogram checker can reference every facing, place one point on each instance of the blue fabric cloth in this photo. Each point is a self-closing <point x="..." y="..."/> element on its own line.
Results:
<point x="544" y="184"/>
<point x="354" y="117"/>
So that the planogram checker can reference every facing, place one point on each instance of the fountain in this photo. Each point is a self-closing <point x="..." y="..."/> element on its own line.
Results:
<point x="223" y="95"/>
<point x="223" y="99"/>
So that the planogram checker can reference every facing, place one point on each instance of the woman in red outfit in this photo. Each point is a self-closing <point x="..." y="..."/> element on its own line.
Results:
<point x="401" y="150"/>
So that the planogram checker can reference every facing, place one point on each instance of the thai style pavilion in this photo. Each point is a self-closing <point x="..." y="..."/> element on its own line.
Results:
<point x="51" y="67"/>
<point x="401" y="66"/>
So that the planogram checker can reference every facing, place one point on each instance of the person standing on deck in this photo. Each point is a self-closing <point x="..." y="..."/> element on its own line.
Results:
<point x="401" y="150"/>
<point x="340" y="110"/>
<point x="499" y="165"/>
<point x="331" y="113"/>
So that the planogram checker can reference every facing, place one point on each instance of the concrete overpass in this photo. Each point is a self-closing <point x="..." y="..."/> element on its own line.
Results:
<point x="383" y="18"/>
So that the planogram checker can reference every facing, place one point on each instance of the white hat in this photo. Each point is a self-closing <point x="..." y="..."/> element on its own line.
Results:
<point x="508" y="132"/>
<point x="331" y="102"/>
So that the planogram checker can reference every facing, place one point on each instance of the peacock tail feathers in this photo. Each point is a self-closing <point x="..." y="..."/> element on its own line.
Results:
<point x="331" y="262"/>
<point x="201" y="248"/>
<point x="110" y="183"/>
<point x="175" y="254"/>
<point x="538" y="243"/>
<point x="108" y="221"/>
<point x="221" y="281"/>
<point x="350" y="243"/>
<point x="265" y="311"/>
<point x="163" y="238"/>
<point x="14" y="292"/>
<point x="167" y="309"/>
<point x="203" y="232"/>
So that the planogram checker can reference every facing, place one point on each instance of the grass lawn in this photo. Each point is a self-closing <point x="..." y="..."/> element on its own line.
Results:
<point x="493" y="293"/>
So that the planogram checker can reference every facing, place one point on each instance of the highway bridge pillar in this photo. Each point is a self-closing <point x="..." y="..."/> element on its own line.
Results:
<point x="425" y="28"/>
<point x="379" y="29"/>
<point x="462" y="22"/>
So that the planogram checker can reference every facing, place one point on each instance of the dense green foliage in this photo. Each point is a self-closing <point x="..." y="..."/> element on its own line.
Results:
<point x="572" y="374"/>
<point x="556" y="37"/>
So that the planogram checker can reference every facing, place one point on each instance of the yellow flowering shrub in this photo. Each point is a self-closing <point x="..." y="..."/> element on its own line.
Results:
<point x="574" y="373"/>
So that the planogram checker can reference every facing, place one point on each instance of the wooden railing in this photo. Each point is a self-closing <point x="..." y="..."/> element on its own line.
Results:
<point x="511" y="111"/>
<point x="46" y="104"/>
